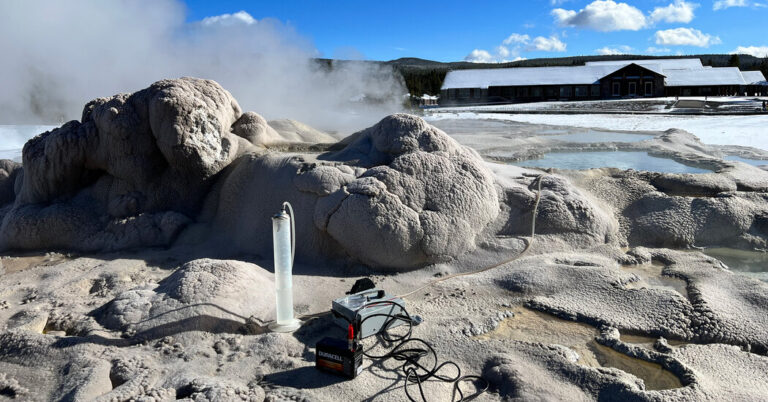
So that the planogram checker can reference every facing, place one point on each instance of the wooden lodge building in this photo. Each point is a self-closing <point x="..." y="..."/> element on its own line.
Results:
<point x="598" y="80"/>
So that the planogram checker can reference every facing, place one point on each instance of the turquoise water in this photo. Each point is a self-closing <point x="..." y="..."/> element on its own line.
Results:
<point x="750" y="263"/>
<point x="615" y="159"/>
<point x="754" y="162"/>
<point x="600" y="136"/>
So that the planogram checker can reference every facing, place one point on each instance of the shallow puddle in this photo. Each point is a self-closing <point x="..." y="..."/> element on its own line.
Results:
<point x="750" y="263"/>
<point x="753" y="162"/>
<point x="651" y="278"/>
<point x="21" y="263"/>
<point x="655" y="377"/>
<point x="615" y="159"/>
<point x="600" y="136"/>
<point x="647" y="341"/>
<point x="533" y="326"/>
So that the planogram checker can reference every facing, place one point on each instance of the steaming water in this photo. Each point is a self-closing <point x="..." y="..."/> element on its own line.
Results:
<point x="754" y="162"/>
<point x="13" y="138"/>
<point x="615" y="159"/>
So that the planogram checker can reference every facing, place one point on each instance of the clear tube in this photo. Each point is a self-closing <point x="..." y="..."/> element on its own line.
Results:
<point x="281" y="231"/>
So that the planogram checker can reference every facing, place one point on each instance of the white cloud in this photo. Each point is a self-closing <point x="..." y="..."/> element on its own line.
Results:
<point x="240" y="17"/>
<point x="679" y="11"/>
<point x="551" y="44"/>
<point x="657" y="50"/>
<point x="757" y="51"/>
<point x="602" y="15"/>
<point x="511" y="47"/>
<point x="623" y="49"/>
<point x="480" y="56"/>
<point x="516" y="38"/>
<point x="723" y="4"/>
<point x="685" y="36"/>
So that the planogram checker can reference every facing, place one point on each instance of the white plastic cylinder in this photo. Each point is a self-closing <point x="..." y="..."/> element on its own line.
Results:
<point x="281" y="232"/>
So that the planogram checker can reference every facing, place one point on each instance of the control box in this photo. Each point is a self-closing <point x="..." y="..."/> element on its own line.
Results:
<point x="369" y="307"/>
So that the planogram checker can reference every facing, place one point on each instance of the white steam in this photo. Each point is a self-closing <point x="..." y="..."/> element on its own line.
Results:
<point x="57" y="55"/>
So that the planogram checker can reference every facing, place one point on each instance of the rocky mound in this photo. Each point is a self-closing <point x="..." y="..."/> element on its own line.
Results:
<point x="296" y="131"/>
<point x="400" y="195"/>
<point x="206" y="295"/>
<point x="9" y="171"/>
<point x="131" y="173"/>
<point x="179" y="163"/>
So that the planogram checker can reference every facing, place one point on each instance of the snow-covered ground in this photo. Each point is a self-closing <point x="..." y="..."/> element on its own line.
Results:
<point x="635" y="105"/>
<point x="749" y="130"/>
<point x="12" y="139"/>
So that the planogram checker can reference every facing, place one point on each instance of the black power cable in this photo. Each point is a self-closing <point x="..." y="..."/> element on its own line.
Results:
<point x="411" y="350"/>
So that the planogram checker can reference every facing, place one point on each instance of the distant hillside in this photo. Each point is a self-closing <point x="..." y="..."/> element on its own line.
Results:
<point x="426" y="76"/>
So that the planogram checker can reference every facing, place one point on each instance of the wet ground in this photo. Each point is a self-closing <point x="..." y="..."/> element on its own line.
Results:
<point x="651" y="278"/>
<point x="17" y="263"/>
<point x="533" y="326"/>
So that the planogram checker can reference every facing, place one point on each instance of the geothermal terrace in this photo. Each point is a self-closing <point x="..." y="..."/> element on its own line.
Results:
<point x="137" y="259"/>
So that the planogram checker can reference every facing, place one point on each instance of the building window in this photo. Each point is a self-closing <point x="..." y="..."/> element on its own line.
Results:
<point x="616" y="89"/>
<point x="565" y="92"/>
<point x="632" y="88"/>
<point x="581" y="92"/>
<point x="463" y="93"/>
<point x="648" y="89"/>
<point x="551" y="92"/>
<point x="595" y="91"/>
<point x="523" y="92"/>
<point x="536" y="92"/>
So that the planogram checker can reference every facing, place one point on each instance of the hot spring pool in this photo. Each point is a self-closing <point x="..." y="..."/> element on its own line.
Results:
<point x="600" y="136"/>
<point x="753" y="162"/>
<point x="616" y="159"/>
<point x="750" y="263"/>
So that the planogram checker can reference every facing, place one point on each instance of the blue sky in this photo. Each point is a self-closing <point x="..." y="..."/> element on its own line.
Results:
<point x="477" y="30"/>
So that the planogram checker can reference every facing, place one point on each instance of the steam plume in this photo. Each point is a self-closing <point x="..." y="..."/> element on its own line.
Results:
<point x="59" y="55"/>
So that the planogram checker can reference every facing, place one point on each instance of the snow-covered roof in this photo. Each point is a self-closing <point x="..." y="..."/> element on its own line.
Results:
<point x="662" y="63"/>
<point x="677" y="72"/>
<point x="753" y="77"/>
<point x="521" y="76"/>
<point x="703" y="77"/>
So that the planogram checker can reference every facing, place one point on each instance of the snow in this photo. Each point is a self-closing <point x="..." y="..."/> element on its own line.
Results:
<point x="703" y="77"/>
<point x="519" y="76"/>
<point x="678" y="73"/>
<point x="690" y="64"/>
<point x="722" y="130"/>
<point x="753" y="77"/>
